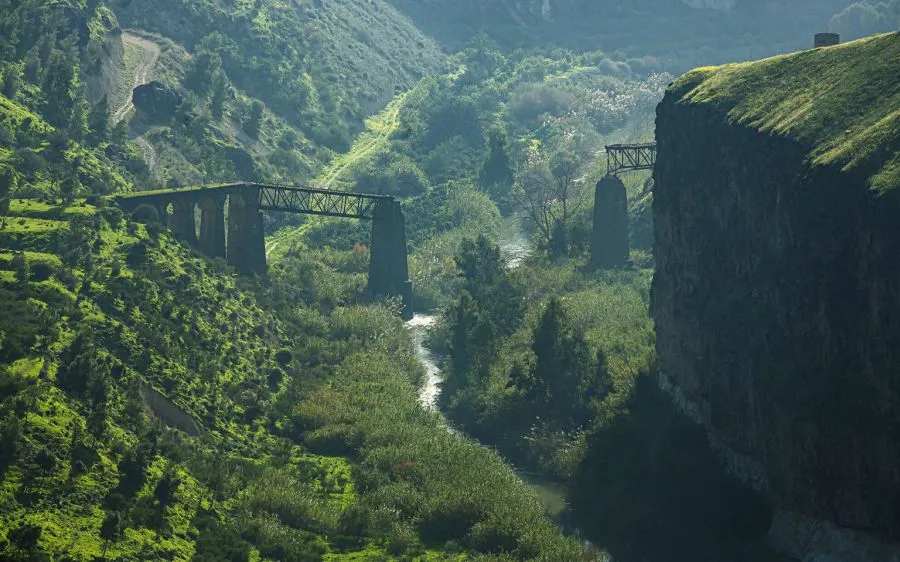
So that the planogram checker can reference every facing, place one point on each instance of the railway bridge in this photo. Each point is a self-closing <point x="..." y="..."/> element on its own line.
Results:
<point x="609" y="239"/>
<point x="231" y="225"/>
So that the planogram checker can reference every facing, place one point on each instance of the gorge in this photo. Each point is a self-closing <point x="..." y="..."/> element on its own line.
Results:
<point x="681" y="350"/>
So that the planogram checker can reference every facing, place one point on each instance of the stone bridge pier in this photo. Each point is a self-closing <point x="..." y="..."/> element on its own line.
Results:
<point x="388" y="264"/>
<point x="246" y="238"/>
<point x="609" y="240"/>
<point x="212" y="225"/>
<point x="183" y="220"/>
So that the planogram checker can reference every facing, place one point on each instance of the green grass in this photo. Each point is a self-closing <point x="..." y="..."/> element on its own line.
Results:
<point x="379" y="128"/>
<point x="53" y="260"/>
<point x="32" y="226"/>
<point x="207" y="339"/>
<point x="93" y="167"/>
<point x="842" y="102"/>
<point x="21" y="118"/>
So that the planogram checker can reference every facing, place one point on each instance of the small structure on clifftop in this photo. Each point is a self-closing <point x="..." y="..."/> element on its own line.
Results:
<point x="827" y="39"/>
<point x="609" y="243"/>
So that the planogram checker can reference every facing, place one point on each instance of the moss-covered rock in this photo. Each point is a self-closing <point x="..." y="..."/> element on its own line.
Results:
<point x="777" y="289"/>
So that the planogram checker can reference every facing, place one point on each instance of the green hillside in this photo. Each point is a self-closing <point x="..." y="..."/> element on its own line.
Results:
<point x="842" y="103"/>
<point x="301" y="436"/>
<point x="322" y="66"/>
<point x="37" y="158"/>
<point x="155" y="405"/>
<point x="269" y="90"/>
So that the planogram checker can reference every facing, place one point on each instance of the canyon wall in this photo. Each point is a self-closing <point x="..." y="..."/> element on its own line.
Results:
<point x="777" y="292"/>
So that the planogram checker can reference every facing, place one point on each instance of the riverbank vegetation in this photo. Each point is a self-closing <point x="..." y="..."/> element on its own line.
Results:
<point x="253" y="385"/>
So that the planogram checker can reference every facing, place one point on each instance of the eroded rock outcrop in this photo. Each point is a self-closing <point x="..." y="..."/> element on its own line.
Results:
<point x="777" y="293"/>
<point x="157" y="100"/>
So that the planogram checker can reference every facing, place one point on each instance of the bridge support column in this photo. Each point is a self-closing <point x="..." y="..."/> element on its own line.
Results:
<point x="609" y="241"/>
<point x="183" y="220"/>
<point x="212" y="226"/>
<point x="246" y="239"/>
<point x="388" y="265"/>
<point x="162" y="213"/>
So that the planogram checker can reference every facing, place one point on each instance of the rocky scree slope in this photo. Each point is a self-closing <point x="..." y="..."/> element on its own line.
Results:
<point x="778" y="289"/>
<point x="323" y="66"/>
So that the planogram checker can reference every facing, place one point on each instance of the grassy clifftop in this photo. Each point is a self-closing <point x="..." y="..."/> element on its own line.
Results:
<point x="842" y="102"/>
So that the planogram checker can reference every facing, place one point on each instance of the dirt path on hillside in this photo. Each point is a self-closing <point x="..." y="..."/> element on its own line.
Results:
<point x="149" y="58"/>
<point x="270" y="248"/>
<point x="357" y="155"/>
<point x="380" y="128"/>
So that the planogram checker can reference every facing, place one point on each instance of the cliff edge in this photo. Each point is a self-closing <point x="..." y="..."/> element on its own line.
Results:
<point x="777" y="292"/>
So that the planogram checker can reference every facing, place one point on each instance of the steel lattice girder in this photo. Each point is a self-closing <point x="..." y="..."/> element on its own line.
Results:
<point x="318" y="202"/>
<point x="289" y="199"/>
<point x="630" y="157"/>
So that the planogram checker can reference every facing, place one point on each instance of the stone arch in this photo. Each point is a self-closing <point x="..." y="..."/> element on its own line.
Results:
<point x="146" y="213"/>
<point x="168" y="211"/>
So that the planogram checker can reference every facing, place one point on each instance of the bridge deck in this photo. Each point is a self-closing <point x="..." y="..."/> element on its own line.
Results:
<point x="271" y="197"/>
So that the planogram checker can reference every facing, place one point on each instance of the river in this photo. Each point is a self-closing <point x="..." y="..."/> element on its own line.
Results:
<point x="515" y="247"/>
<point x="552" y="494"/>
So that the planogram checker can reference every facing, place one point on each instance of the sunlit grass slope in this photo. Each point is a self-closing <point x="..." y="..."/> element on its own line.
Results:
<point x="35" y="157"/>
<point x="842" y="102"/>
<point x="311" y="441"/>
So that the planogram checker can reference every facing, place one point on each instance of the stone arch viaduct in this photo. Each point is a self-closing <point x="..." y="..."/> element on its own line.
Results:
<point x="231" y="225"/>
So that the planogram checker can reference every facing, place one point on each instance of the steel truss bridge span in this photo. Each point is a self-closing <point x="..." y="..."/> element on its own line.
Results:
<point x="630" y="157"/>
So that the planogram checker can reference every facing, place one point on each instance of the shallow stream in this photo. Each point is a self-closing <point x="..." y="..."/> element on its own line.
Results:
<point x="515" y="247"/>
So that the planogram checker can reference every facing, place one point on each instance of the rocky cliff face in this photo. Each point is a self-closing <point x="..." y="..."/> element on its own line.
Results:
<point x="777" y="293"/>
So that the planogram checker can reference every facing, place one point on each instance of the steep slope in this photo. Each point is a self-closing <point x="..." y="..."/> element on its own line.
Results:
<point x="154" y="406"/>
<point x="776" y="293"/>
<point x="253" y="90"/>
<point x="323" y="66"/>
<point x="35" y="157"/>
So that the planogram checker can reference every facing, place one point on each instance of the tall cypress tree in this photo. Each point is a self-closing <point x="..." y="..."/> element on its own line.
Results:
<point x="57" y="89"/>
<point x="561" y="361"/>
<point x="98" y="121"/>
<point x="496" y="175"/>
